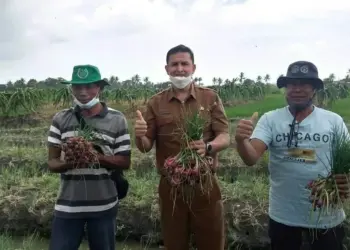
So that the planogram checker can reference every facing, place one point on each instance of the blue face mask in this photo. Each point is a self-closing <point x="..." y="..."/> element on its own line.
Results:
<point x="87" y="105"/>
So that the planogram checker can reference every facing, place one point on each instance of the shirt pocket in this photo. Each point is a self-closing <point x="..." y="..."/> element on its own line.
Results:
<point x="165" y="125"/>
<point x="164" y="119"/>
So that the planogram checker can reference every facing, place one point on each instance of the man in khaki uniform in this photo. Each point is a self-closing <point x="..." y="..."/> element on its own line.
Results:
<point x="205" y="217"/>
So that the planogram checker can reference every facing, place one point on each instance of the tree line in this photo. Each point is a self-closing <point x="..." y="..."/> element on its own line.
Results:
<point x="137" y="80"/>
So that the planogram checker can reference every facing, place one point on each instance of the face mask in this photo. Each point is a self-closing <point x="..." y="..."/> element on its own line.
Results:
<point x="180" y="82"/>
<point x="87" y="105"/>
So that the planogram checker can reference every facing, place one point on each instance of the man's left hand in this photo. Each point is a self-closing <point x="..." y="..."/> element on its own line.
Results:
<point x="199" y="146"/>
<point x="343" y="185"/>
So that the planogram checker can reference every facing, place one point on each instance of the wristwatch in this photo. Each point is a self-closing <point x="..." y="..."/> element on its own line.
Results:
<point x="208" y="148"/>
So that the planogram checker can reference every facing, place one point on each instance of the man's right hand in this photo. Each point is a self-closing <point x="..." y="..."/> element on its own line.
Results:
<point x="245" y="128"/>
<point x="140" y="125"/>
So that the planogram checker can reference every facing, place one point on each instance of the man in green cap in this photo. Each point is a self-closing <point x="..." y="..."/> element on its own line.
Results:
<point x="89" y="193"/>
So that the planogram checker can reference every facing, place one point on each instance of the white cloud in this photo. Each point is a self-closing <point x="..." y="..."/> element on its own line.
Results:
<point x="204" y="6"/>
<point x="46" y="38"/>
<point x="274" y="11"/>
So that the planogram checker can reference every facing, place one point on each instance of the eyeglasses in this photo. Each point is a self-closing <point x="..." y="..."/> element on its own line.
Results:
<point x="293" y="134"/>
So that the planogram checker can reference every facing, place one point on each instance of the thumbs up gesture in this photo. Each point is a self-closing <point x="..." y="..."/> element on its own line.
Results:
<point x="140" y="125"/>
<point x="245" y="128"/>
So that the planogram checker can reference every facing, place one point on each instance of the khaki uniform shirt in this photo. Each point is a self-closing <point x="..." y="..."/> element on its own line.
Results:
<point x="165" y="112"/>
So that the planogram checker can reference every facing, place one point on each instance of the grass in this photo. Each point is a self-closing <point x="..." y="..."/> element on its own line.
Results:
<point x="28" y="191"/>
<point x="35" y="242"/>
<point x="276" y="101"/>
<point x="341" y="107"/>
<point x="270" y="102"/>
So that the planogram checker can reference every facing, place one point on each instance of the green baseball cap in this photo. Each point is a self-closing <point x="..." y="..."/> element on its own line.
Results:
<point x="86" y="74"/>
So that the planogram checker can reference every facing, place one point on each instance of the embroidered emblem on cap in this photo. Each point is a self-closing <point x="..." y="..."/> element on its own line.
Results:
<point x="295" y="69"/>
<point x="82" y="73"/>
<point x="304" y="69"/>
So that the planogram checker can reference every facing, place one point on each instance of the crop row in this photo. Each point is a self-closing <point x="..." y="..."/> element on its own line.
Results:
<point x="27" y="100"/>
<point x="17" y="101"/>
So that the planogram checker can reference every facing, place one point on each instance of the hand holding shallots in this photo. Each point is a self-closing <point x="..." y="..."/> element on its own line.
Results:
<point x="190" y="169"/>
<point x="342" y="182"/>
<point x="328" y="192"/>
<point x="199" y="146"/>
<point x="79" y="152"/>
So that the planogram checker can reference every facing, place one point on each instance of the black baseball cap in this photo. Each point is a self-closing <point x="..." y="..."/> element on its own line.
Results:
<point x="301" y="70"/>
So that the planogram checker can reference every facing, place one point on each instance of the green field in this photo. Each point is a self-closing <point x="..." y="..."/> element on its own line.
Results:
<point x="275" y="101"/>
<point x="28" y="190"/>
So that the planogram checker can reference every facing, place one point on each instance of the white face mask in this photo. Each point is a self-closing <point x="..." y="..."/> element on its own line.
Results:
<point x="87" y="105"/>
<point x="180" y="82"/>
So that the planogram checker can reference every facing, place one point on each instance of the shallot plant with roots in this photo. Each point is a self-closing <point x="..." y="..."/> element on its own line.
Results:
<point x="187" y="171"/>
<point x="325" y="195"/>
<point x="79" y="149"/>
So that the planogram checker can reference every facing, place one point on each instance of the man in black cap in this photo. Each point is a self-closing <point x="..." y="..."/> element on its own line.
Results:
<point x="298" y="140"/>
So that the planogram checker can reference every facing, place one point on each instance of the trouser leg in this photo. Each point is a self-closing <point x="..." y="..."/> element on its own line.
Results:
<point x="207" y="219"/>
<point x="284" y="237"/>
<point x="326" y="239"/>
<point x="66" y="234"/>
<point x="174" y="219"/>
<point x="101" y="233"/>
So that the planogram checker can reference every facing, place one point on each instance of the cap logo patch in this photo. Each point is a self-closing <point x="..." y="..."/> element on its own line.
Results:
<point x="304" y="69"/>
<point x="295" y="69"/>
<point x="82" y="73"/>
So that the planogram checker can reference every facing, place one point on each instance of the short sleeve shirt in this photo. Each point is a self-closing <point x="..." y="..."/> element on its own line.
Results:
<point x="291" y="169"/>
<point x="89" y="192"/>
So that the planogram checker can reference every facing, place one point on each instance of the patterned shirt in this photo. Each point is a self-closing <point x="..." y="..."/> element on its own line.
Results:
<point x="89" y="192"/>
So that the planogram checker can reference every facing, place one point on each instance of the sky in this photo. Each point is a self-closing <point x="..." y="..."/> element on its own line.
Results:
<point x="46" y="38"/>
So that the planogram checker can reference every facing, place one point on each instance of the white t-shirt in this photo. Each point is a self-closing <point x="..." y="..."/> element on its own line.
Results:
<point x="291" y="170"/>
